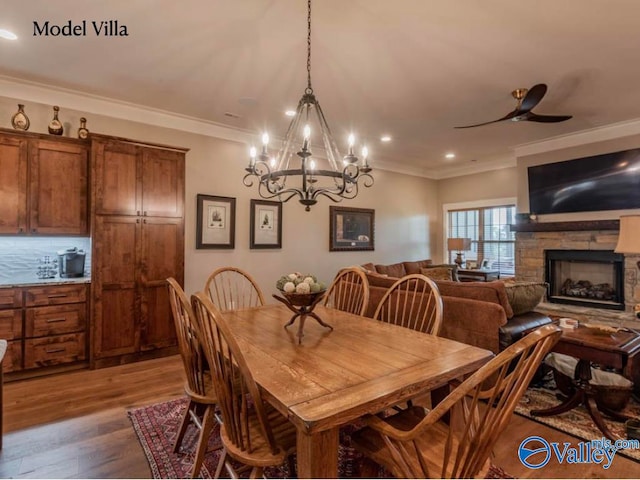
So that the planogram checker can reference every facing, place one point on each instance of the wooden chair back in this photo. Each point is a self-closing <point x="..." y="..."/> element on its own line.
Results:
<point x="230" y="288"/>
<point x="349" y="291"/>
<point x="233" y="382"/>
<point x="477" y="416"/>
<point x="190" y="349"/>
<point x="414" y="302"/>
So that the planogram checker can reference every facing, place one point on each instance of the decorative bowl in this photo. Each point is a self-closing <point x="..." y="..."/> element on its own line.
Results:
<point x="302" y="299"/>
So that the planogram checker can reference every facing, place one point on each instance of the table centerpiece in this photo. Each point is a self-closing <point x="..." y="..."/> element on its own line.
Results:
<point x="301" y="293"/>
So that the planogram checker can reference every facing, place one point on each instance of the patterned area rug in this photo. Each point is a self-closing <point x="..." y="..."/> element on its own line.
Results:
<point x="157" y="425"/>
<point x="576" y="422"/>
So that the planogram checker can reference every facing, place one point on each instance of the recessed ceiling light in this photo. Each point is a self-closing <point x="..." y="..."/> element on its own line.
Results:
<point x="7" y="34"/>
<point x="450" y="155"/>
<point x="290" y="113"/>
<point x="385" y="138"/>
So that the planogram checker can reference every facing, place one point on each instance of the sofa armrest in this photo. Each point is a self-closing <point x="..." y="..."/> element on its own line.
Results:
<point x="473" y="322"/>
<point x="520" y="325"/>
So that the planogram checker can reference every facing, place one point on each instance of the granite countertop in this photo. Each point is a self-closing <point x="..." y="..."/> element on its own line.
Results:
<point x="29" y="279"/>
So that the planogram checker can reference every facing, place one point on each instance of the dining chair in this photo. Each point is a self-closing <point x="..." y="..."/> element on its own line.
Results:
<point x="349" y="291"/>
<point x="202" y="400"/>
<point x="413" y="301"/>
<point x="230" y="288"/>
<point x="252" y="431"/>
<point x="455" y="438"/>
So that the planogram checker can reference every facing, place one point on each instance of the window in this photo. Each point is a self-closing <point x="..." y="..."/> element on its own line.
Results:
<point x="492" y="241"/>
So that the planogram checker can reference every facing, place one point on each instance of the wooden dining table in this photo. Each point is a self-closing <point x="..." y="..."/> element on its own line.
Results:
<point x="334" y="377"/>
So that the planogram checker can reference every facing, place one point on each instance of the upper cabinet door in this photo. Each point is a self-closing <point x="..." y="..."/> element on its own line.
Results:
<point x="116" y="183"/>
<point x="58" y="173"/>
<point x="162" y="183"/>
<point x="13" y="184"/>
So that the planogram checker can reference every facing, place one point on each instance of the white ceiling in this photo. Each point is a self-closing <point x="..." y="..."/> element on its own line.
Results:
<point x="411" y="68"/>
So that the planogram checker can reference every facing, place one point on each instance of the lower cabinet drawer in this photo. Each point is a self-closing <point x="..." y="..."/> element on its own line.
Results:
<point x="55" y="295"/>
<point x="44" y="321"/>
<point x="12" y="361"/>
<point x="10" y="298"/>
<point x="56" y="350"/>
<point x="10" y="324"/>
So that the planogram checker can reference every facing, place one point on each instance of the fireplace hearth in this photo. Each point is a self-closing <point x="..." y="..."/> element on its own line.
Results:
<point x="585" y="277"/>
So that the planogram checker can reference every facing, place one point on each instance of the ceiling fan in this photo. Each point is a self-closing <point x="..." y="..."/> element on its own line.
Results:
<point x="527" y="99"/>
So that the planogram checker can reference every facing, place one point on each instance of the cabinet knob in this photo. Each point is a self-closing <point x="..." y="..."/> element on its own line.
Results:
<point x="145" y="213"/>
<point x="144" y="221"/>
<point x="137" y="212"/>
<point x="20" y="230"/>
<point x="137" y="220"/>
<point x="34" y="230"/>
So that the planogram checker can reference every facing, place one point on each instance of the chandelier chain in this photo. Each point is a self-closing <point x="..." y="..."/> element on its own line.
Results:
<point x="309" y="89"/>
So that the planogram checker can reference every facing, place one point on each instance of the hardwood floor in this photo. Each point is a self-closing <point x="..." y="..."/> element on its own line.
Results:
<point x="74" y="425"/>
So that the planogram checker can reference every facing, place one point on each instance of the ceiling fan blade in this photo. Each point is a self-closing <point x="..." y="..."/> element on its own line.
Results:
<point x="532" y="117"/>
<point x="508" y="116"/>
<point x="533" y="97"/>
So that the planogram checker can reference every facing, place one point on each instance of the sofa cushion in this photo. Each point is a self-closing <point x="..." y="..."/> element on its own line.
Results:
<point x="438" y="273"/>
<point x="379" y="280"/>
<point x="524" y="296"/>
<point x="414" y="267"/>
<point x="395" y="270"/>
<point x="494" y="292"/>
<point x="521" y="325"/>
<point x="452" y="266"/>
<point x="368" y="267"/>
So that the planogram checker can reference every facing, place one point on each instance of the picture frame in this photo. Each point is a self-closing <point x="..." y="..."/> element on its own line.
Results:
<point x="471" y="265"/>
<point x="351" y="229"/>
<point x="266" y="224"/>
<point x="215" y="222"/>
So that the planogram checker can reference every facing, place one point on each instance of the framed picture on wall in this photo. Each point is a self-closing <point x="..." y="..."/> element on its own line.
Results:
<point x="351" y="229"/>
<point x="216" y="222"/>
<point x="266" y="224"/>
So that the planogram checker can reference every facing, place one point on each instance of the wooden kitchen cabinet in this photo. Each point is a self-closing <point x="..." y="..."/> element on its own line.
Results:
<point x="44" y="184"/>
<point x="58" y="174"/>
<point x="13" y="184"/>
<point x="132" y="179"/>
<point x="55" y="325"/>
<point x="44" y="325"/>
<point x="138" y="242"/>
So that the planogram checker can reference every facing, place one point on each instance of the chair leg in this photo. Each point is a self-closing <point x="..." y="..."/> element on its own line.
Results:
<point x="183" y="427"/>
<point x="368" y="468"/>
<point x="256" y="472"/>
<point x="221" y="462"/>
<point x="293" y="468"/>
<point x="208" y="421"/>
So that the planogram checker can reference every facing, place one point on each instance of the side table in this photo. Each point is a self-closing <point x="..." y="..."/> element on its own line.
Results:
<point x="620" y="350"/>
<point x="478" y="275"/>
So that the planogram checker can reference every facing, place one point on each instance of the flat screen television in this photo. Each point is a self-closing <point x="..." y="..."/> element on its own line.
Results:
<point x="602" y="182"/>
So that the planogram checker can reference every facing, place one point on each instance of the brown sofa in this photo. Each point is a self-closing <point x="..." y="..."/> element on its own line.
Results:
<point x="476" y="313"/>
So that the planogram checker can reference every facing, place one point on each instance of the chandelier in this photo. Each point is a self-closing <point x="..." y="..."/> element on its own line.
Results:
<point x="339" y="181"/>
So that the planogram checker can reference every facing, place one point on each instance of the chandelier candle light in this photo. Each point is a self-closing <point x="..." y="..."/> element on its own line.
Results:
<point x="339" y="182"/>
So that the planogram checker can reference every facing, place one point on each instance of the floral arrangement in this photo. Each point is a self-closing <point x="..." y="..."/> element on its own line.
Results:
<point x="298" y="283"/>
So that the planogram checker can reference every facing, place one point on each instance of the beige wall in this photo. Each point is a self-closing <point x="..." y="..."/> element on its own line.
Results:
<point x="406" y="207"/>
<point x="490" y="185"/>
<point x="570" y="153"/>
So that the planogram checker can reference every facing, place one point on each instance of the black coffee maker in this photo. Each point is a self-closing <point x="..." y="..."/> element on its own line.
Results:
<point x="71" y="262"/>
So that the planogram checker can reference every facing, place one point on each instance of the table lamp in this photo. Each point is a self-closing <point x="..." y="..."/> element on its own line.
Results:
<point x="629" y="238"/>
<point x="460" y="245"/>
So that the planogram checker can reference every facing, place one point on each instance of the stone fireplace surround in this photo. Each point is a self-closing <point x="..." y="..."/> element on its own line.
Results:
<point x="533" y="239"/>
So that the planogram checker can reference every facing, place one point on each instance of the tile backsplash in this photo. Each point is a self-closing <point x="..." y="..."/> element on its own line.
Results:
<point x="20" y="255"/>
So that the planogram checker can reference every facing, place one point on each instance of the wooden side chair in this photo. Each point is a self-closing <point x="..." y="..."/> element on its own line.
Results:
<point x="414" y="302"/>
<point x="415" y="444"/>
<point x="252" y="432"/>
<point x="202" y="400"/>
<point x="349" y="291"/>
<point x="230" y="288"/>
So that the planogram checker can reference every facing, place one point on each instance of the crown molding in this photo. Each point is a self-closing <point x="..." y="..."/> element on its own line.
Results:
<point x="592" y="135"/>
<point x="85" y="102"/>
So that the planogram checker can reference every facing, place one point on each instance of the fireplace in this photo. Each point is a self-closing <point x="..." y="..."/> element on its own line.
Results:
<point x="590" y="278"/>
